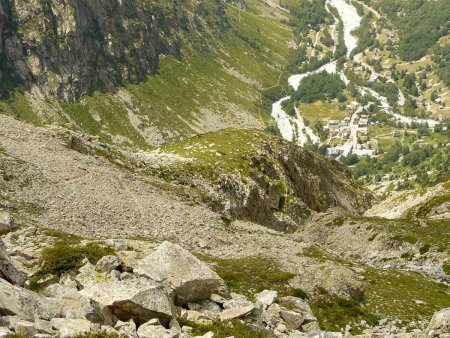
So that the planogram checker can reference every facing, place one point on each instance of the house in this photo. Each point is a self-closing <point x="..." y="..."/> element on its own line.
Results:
<point x="363" y="122"/>
<point x="332" y="123"/>
<point x="334" y="152"/>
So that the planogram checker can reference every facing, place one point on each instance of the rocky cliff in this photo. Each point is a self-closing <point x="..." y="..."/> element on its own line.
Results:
<point x="71" y="48"/>
<point x="250" y="175"/>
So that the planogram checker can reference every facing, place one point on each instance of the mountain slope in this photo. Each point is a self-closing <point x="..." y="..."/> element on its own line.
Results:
<point x="155" y="71"/>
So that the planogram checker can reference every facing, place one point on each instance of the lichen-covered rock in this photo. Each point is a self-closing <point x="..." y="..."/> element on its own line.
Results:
<point x="7" y="269"/>
<point x="7" y="222"/>
<point x="139" y="299"/>
<point x="155" y="331"/>
<point x="440" y="323"/>
<point x="69" y="328"/>
<point x="107" y="264"/>
<point x="189" y="278"/>
<point x="27" y="304"/>
<point x="266" y="298"/>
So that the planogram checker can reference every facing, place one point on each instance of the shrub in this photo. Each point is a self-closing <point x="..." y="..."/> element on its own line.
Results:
<point x="446" y="268"/>
<point x="62" y="257"/>
<point x="424" y="249"/>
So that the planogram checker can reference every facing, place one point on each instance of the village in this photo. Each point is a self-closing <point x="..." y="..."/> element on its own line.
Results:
<point x="351" y="135"/>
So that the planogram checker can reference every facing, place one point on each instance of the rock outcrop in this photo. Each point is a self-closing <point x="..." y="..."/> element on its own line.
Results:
<point x="71" y="48"/>
<point x="7" y="269"/>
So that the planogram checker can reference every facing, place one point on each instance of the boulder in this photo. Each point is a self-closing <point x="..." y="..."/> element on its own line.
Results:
<point x="7" y="222"/>
<point x="237" y="312"/>
<point x="139" y="299"/>
<point x="127" y="329"/>
<point x="5" y="332"/>
<point x="298" y="305"/>
<point x="107" y="264"/>
<point x="191" y="279"/>
<point x="70" y="327"/>
<point x="20" y="302"/>
<point x="292" y="319"/>
<point x="24" y="328"/>
<point x="266" y="298"/>
<point x="7" y="269"/>
<point x="440" y="323"/>
<point x="155" y="331"/>
<point x="71" y="304"/>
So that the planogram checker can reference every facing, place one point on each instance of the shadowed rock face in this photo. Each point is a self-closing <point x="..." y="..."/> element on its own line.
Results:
<point x="288" y="184"/>
<point x="71" y="48"/>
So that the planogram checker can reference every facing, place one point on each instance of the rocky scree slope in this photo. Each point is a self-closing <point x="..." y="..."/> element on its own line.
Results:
<point x="69" y="49"/>
<point x="77" y="184"/>
<point x="142" y="289"/>
<point x="249" y="175"/>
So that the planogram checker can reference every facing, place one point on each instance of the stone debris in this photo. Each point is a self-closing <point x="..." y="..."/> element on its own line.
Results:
<point x="142" y="304"/>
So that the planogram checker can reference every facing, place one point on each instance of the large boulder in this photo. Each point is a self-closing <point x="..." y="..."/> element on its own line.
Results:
<point x="70" y="327"/>
<point x="71" y="304"/>
<point x="7" y="269"/>
<point x="440" y="323"/>
<point x="139" y="299"/>
<point x="20" y="302"/>
<point x="191" y="279"/>
<point x="7" y="222"/>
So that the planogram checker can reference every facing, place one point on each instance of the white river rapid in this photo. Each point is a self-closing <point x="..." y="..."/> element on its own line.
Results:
<point x="293" y="128"/>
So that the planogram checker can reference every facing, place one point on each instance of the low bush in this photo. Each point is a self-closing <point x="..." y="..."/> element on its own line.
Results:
<point x="63" y="257"/>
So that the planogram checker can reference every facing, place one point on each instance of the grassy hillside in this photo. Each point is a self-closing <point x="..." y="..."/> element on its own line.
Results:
<point x="216" y="83"/>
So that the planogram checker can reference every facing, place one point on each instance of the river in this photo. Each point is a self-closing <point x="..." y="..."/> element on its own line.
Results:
<point x="293" y="128"/>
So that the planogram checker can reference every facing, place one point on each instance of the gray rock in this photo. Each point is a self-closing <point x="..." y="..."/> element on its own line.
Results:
<point x="107" y="264"/>
<point x="191" y="279"/>
<point x="24" y="328"/>
<point x="236" y="301"/>
<point x="440" y="323"/>
<point x="237" y="312"/>
<point x="292" y="319"/>
<point x="140" y="300"/>
<point x="155" y="331"/>
<point x="127" y="329"/>
<point x="298" y="305"/>
<point x="27" y="304"/>
<point x="70" y="327"/>
<point x="7" y="269"/>
<point x="266" y="298"/>
<point x="7" y="222"/>
<point x="4" y="331"/>
<point x="73" y="305"/>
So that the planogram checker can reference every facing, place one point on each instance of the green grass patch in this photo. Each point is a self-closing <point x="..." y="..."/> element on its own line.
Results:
<point x="393" y="293"/>
<point x="220" y="329"/>
<point x="62" y="257"/>
<point x="251" y="275"/>
<point x="334" y="313"/>
<point x="446" y="268"/>
<point x="405" y="238"/>
<point x="226" y="150"/>
<point x="322" y="111"/>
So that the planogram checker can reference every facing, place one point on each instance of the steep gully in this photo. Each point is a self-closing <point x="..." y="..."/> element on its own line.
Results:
<point x="293" y="128"/>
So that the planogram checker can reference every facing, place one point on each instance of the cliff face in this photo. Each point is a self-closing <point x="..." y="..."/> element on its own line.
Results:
<point x="71" y="48"/>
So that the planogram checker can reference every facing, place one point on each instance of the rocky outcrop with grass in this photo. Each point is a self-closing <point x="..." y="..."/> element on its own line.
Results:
<point x="250" y="175"/>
